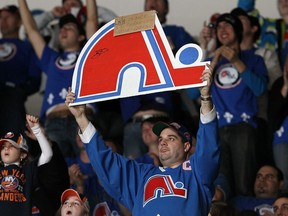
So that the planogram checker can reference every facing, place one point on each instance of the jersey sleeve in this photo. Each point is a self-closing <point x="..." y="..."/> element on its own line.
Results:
<point x="205" y="161"/>
<point x="119" y="176"/>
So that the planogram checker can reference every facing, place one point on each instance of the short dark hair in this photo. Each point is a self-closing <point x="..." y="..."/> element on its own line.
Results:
<point x="13" y="9"/>
<point x="280" y="174"/>
<point x="236" y="24"/>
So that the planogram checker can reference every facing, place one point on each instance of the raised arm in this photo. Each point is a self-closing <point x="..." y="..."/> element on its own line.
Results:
<point x="92" y="18"/>
<point x="31" y="29"/>
<point x="78" y="111"/>
<point x="206" y="100"/>
<point x="46" y="150"/>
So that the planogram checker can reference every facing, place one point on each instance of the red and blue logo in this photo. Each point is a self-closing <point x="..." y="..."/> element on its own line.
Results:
<point x="111" y="67"/>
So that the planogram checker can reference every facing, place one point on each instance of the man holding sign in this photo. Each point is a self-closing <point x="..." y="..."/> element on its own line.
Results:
<point x="181" y="186"/>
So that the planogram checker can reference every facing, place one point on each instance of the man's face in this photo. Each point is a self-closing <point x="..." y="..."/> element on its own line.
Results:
<point x="283" y="7"/>
<point x="226" y="34"/>
<point x="9" y="23"/>
<point x="69" y="37"/>
<point x="266" y="184"/>
<point x="159" y="6"/>
<point x="280" y="207"/>
<point x="172" y="151"/>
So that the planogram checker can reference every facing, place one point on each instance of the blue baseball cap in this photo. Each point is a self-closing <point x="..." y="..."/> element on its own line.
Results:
<point x="180" y="129"/>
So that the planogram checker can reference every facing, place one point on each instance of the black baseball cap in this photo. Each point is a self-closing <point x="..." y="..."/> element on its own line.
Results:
<point x="233" y="20"/>
<point x="69" y="18"/>
<point x="16" y="139"/>
<point x="180" y="129"/>
<point x="11" y="9"/>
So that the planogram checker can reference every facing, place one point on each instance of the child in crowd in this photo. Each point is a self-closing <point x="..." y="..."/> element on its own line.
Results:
<point x="18" y="174"/>
<point x="73" y="203"/>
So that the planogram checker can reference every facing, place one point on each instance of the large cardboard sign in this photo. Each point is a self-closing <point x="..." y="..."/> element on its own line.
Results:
<point x="128" y="56"/>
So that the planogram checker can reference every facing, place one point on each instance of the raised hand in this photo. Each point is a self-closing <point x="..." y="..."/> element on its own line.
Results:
<point x="32" y="121"/>
<point x="205" y="35"/>
<point x="77" y="110"/>
<point x="206" y="76"/>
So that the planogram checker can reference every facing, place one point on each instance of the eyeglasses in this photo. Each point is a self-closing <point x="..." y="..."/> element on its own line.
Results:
<point x="283" y="207"/>
<point x="73" y="203"/>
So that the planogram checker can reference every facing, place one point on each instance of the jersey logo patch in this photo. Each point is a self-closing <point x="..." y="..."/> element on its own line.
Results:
<point x="159" y="186"/>
<point x="227" y="76"/>
<point x="9" y="182"/>
<point x="7" y="51"/>
<point x="67" y="63"/>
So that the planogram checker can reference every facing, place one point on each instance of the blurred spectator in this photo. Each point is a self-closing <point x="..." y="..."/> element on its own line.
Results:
<point x="151" y="141"/>
<point x="60" y="125"/>
<point x="18" y="172"/>
<point x="53" y="178"/>
<point x="20" y="75"/>
<point x="219" y="208"/>
<point x="251" y="32"/>
<point x="278" y="122"/>
<point x="273" y="31"/>
<point x="280" y="206"/>
<point x="49" y="20"/>
<point x="176" y="35"/>
<point x="135" y="110"/>
<point x="208" y="37"/>
<point x="84" y="180"/>
<point x="268" y="183"/>
<point x="239" y="78"/>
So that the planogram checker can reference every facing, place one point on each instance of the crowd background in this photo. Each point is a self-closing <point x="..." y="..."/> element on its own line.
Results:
<point x="179" y="14"/>
<point x="80" y="164"/>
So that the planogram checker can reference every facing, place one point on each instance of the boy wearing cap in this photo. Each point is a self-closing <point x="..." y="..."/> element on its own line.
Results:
<point x="18" y="176"/>
<point x="59" y="67"/>
<point x="20" y="76"/>
<point x="239" y="78"/>
<point x="180" y="186"/>
<point x="73" y="203"/>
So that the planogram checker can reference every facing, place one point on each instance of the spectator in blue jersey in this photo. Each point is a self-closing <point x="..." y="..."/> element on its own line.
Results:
<point x="278" y="122"/>
<point x="268" y="183"/>
<point x="239" y="78"/>
<point x="60" y="125"/>
<point x="273" y="31"/>
<point x="18" y="173"/>
<point x="179" y="186"/>
<point x="20" y="76"/>
<point x="150" y="139"/>
<point x="176" y="35"/>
